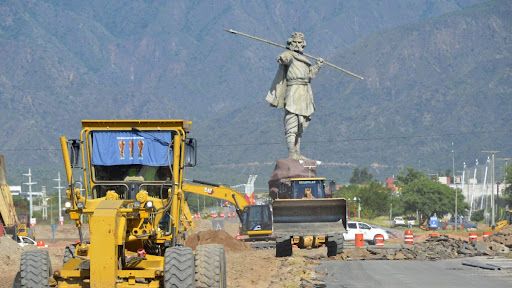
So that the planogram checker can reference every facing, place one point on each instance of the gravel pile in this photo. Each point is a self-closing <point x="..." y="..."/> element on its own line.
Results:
<point x="442" y="247"/>
<point x="503" y="237"/>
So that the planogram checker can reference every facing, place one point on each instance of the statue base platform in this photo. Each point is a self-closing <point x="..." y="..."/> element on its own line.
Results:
<point x="290" y="168"/>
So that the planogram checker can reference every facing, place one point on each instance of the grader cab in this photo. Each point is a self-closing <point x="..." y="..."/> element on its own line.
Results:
<point x="133" y="173"/>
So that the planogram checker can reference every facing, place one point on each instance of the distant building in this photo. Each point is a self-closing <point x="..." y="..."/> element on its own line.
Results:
<point x="446" y="180"/>
<point x="390" y="184"/>
<point x="15" y="190"/>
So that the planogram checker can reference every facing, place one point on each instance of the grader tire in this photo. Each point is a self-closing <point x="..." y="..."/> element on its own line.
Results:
<point x="283" y="247"/>
<point x="210" y="266"/>
<point x="335" y="245"/>
<point x="35" y="269"/>
<point x="179" y="267"/>
<point x="69" y="253"/>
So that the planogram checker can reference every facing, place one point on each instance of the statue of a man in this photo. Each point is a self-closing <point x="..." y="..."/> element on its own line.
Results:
<point x="291" y="90"/>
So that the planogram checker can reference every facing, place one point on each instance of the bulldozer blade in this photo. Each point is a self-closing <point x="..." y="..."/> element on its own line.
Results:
<point x="309" y="215"/>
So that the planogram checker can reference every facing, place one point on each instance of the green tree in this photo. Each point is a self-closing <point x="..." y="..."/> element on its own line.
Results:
<point x="361" y="176"/>
<point x="408" y="175"/>
<point x="427" y="197"/>
<point x="22" y="206"/>
<point x="374" y="198"/>
<point x="478" y="215"/>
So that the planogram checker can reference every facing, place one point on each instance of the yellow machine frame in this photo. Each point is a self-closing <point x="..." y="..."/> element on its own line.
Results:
<point x="118" y="227"/>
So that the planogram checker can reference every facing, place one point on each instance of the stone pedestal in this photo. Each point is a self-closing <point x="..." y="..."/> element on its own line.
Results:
<point x="289" y="168"/>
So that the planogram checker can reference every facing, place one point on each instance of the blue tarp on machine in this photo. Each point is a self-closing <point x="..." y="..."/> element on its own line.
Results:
<point x="149" y="148"/>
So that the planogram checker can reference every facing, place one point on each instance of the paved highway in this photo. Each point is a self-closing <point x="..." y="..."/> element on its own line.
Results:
<point x="417" y="274"/>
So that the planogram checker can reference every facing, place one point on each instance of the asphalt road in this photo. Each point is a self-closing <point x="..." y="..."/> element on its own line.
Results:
<point x="417" y="274"/>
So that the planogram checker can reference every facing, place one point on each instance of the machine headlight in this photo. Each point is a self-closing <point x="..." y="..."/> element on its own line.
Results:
<point x="149" y="204"/>
<point x="67" y="204"/>
<point x="80" y="205"/>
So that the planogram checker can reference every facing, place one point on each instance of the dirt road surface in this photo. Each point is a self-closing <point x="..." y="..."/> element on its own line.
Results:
<point x="246" y="267"/>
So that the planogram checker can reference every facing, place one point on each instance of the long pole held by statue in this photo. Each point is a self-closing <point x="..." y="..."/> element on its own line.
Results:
<point x="284" y="47"/>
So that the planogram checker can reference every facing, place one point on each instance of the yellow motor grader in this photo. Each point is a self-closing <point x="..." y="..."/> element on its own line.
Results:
<point x="133" y="173"/>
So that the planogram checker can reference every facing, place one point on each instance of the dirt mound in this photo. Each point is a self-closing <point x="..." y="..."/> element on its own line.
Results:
<point x="503" y="237"/>
<point x="10" y="253"/>
<point x="215" y="237"/>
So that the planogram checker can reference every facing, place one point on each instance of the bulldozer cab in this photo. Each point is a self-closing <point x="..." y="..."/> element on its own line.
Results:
<point x="256" y="220"/>
<point x="308" y="188"/>
<point x="129" y="156"/>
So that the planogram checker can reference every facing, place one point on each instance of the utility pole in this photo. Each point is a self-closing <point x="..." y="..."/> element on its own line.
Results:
<point x="472" y="194"/>
<point x="44" y="203"/>
<point x="453" y="173"/>
<point x="30" y="183"/>
<point x="493" y="153"/>
<point x="59" y="188"/>
<point x="483" y="203"/>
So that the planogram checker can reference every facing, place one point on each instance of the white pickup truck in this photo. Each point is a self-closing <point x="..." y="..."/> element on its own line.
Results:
<point x="26" y="241"/>
<point x="367" y="230"/>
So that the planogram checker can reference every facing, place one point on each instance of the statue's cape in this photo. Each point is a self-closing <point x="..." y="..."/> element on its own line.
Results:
<point x="277" y="92"/>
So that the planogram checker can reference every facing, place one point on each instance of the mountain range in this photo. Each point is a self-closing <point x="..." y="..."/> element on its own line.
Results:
<point x="436" y="73"/>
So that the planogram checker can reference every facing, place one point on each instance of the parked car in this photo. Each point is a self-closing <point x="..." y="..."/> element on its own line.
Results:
<point x="27" y="241"/>
<point x="411" y="221"/>
<point x="462" y="222"/>
<point x="398" y="221"/>
<point x="367" y="230"/>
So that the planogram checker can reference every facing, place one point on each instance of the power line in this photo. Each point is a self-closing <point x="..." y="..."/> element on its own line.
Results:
<point x="368" y="139"/>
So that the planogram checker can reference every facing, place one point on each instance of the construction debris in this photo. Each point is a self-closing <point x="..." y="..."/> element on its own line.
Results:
<point x="503" y="237"/>
<point x="442" y="247"/>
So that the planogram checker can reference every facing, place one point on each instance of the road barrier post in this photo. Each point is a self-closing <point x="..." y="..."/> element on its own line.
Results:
<point x="408" y="237"/>
<point x="379" y="240"/>
<point x="359" y="240"/>
<point x="472" y="237"/>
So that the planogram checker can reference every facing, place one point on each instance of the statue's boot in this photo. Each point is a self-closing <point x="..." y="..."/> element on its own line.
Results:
<point x="292" y="147"/>
<point x="297" y="148"/>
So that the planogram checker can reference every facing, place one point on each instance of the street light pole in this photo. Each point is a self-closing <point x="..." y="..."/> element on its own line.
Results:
<point x="455" y="187"/>
<point x="358" y="200"/>
<point x="492" y="152"/>
<point x="59" y="188"/>
<point x="30" y="183"/>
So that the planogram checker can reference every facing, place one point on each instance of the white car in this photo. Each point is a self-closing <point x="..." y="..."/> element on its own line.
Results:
<point x="367" y="230"/>
<point x="398" y="221"/>
<point x="27" y="241"/>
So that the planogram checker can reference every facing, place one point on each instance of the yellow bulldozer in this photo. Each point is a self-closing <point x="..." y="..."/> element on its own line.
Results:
<point x="306" y="215"/>
<point x="134" y="203"/>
